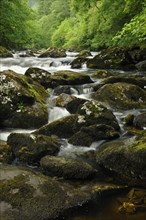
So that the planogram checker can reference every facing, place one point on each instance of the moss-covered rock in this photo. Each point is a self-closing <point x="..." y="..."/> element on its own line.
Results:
<point x="26" y="194"/>
<point x="64" y="127"/>
<point x="6" y="155"/>
<point x="67" y="77"/>
<point x="22" y="101"/>
<point x="87" y="135"/>
<point x="78" y="62"/>
<point x="53" y="52"/>
<point x="141" y="65"/>
<point x="102" y="74"/>
<point x="126" y="160"/>
<point x="129" y="119"/>
<point x="112" y="58"/>
<point x="5" y="53"/>
<point x="121" y="96"/>
<point x="84" y="53"/>
<point x="30" y="148"/>
<point x="39" y="75"/>
<point x="140" y="120"/>
<point x="68" y="168"/>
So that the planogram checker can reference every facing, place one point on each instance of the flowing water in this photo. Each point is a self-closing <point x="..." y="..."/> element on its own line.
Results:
<point x="104" y="209"/>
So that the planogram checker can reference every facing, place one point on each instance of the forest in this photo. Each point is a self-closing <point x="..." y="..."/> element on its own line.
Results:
<point x="75" y="24"/>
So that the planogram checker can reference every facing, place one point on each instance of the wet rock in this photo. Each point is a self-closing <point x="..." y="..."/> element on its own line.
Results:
<point x="22" y="101"/>
<point x="39" y="75"/>
<point x="6" y="155"/>
<point x="64" y="127"/>
<point x="129" y="119"/>
<point x="141" y="65"/>
<point x="121" y="96"/>
<point x="26" y="194"/>
<point x="67" y="77"/>
<point x="5" y="53"/>
<point x="74" y="105"/>
<point x="84" y="53"/>
<point x="102" y="74"/>
<point x="62" y="89"/>
<point x="68" y="168"/>
<point x="63" y="99"/>
<point x="112" y="58"/>
<point x="53" y="52"/>
<point x="140" y="120"/>
<point x="78" y="62"/>
<point x="125" y="160"/>
<point x="30" y="148"/>
<point x="87" y="135"/>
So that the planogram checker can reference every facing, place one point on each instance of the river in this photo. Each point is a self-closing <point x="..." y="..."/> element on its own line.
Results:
<point x="20" y="64"/>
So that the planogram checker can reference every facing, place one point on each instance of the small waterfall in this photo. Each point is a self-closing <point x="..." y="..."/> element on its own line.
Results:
<point x="57" y="113"/>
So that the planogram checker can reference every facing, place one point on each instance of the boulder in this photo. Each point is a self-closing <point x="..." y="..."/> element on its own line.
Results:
<point x="6" y="155"/>
<point x="67" y="77"/>
<point x="141" y="65"/>
<point x="67" y="168"/>
<point x="22" y="102"/>
<point x="53" y="52"/>
<point x="63" y="128"/>
<point x="39" y="75"/>
<point x="87" y="135"/>
<point x="140" y="120"/>
<point x="78" y="62"/>
<point x="27" y="194"/>
<point x="101" y="74"/>
<point x="63" y="99"/>
<point x="84" y="53"/>
<point x="125" y="160"/>
<point x="121" y="96"/>
<point x="30" y="148"/>
<point x="62" y="89"/>
<point x="112" y="58"/>
<point x="4" y="53"/>
<point x="74" y="105"/>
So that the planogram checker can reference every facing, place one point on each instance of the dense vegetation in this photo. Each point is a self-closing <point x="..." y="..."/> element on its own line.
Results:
<point x="72" y="23"/>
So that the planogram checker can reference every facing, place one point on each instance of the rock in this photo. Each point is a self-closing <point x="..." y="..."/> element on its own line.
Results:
<point x="22" y="102"/>
<point x="63" y="128"/>
<point x="84" y="54"/>
<point x="125" y="160"/>
<point x="6" y="155"/>
<point x="121" y="96"/>
<point x="93" y="112"/>
<point x="67" y="77"/>
<point x="129" y="119"/>
<point x="78" y="62"/>
<point x="5" y="53"/>
<point x="26" y="194"/>
<point x="62" y="89"/>
<point x="102" y="74"/>
<point x="53" y="52"/>
<point x="63" y="99"/>
<point x="68" y="168"/>
<point x="140" y="120"/>
<point x="30" y="148"/>
<point x="74" y="105"/>
<point x="112" y="58"/>
<point x="87" y="135"/>
<point x="39" y="75"/>
<point x="141" y="65"/>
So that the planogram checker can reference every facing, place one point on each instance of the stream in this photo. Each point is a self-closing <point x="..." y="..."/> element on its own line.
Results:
<point x="20" y="65"/>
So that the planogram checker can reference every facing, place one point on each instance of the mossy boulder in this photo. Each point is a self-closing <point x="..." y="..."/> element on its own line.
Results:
<point x="141" y="65"/>
<point x="53" y="52"/>
<point x="27" y="194"/>
<point x="112" y="58"/>
<point x="4" y="53"/>
<point x="39" y="75"/>
<point x="67" y="77"/>
<point x="125" y="160"/>
<point x="78" y="62"/>
<point x="6" y="155"/>
<point x="101" y="74"/>
<point x="140" y="120"/>
<point x="87" y="135"/>
<point x="30" y="148"/>
<point x="63" y="128"/>
<point x="68" y="168"/>
<point x="22" y="101"/>
<point x="84" y="53"/>
<point x="121" y="96"/>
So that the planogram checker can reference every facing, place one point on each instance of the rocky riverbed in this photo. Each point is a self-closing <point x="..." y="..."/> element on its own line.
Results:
<point x="73" y="132"/>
